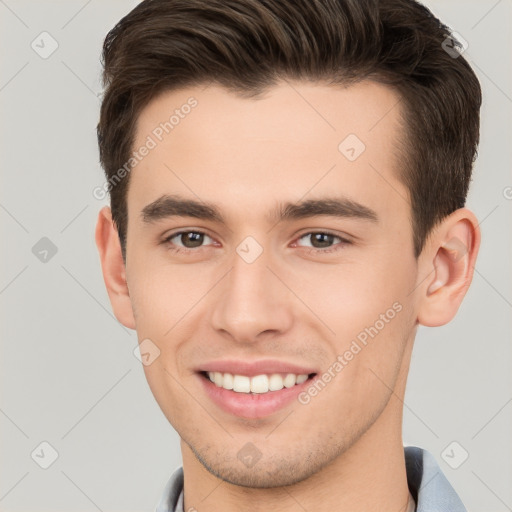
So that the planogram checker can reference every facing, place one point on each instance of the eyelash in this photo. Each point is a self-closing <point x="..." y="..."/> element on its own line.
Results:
<point x="315" y="250"/>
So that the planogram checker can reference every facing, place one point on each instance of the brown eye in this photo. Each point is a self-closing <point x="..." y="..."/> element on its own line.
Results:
<point x="191" y="239"/>
<point x="323" y="242"/>
<point x="187" y="239"/>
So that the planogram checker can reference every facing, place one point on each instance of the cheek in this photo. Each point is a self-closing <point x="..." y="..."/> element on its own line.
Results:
<point x="353" y="297"/>
<point x="370" y="312"/>
<point x="363" y="371"/>
<point x="169" y="395"/>
<point x="162" y="294"/>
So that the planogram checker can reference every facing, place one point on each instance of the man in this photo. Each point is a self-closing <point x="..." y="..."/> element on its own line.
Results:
<point x="287" y="182"/>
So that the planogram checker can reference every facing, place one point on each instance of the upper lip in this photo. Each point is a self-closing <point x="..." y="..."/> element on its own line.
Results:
<point x="253" y="368"/>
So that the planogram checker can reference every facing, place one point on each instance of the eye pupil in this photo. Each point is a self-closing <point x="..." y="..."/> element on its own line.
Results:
<point x="326" y="242"/>
<point x="191" y="236"/>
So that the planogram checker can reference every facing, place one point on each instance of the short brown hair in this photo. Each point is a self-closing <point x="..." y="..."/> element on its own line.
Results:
<point x="248" y="45"/>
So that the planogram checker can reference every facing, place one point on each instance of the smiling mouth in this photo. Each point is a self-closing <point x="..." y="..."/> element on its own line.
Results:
<point x="258" y="384"/>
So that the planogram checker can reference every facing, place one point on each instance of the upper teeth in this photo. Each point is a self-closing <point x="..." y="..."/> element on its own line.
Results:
<point x="257" y="384"/>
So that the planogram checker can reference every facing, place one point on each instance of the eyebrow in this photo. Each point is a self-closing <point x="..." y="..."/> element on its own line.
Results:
<point x="168" y="206"/>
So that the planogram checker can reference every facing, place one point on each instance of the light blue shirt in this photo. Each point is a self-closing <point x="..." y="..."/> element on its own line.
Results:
<point x="427" y="484"/>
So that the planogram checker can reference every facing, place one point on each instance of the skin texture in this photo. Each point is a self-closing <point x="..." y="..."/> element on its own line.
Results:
<point x="343" y="450"/>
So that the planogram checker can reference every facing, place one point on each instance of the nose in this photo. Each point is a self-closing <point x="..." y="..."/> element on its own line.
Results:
<point x="252" y="301"/>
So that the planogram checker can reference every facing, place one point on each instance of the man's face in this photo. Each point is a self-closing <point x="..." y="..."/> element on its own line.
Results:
<point x="301" y="290"/>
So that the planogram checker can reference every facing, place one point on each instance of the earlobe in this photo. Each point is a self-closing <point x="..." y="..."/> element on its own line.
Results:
<point x="113" y="268"/>
<point x="449" y="264"/>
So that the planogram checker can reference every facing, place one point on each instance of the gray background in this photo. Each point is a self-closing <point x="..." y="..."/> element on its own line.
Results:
<point x="68" y="373"/>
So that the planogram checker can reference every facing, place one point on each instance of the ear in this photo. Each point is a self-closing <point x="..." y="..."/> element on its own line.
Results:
<point x="113" y="267"/>
<point x="448" y="261"/>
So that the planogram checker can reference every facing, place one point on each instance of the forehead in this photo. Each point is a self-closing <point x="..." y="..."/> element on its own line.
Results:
<point x="297" y="138"/>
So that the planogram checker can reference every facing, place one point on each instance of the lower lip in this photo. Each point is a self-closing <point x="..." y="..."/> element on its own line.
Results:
<point x="252" y="405"/>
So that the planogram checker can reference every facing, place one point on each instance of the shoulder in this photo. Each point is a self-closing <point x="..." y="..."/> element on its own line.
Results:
<point x="427" y="483"/>
<point x="171" y="493"/>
